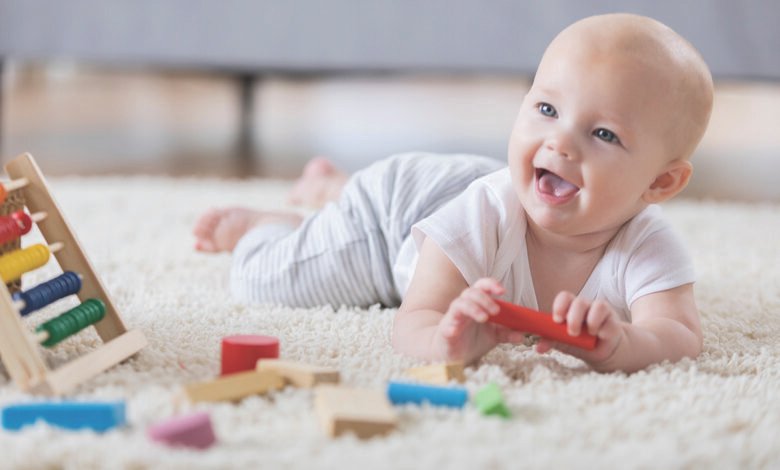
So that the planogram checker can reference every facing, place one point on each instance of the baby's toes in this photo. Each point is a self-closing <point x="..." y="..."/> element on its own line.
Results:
<point x="205" y="245"/>
<point x="207" y="223"/>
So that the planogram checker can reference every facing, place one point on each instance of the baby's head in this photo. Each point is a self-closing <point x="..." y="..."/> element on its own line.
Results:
<point x="663" y="68"/>
<point x="618" y="104"/>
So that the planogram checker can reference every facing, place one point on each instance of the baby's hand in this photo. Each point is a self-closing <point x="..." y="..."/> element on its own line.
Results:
<point x="463" y="334"/>
<point x="599" y="319"/>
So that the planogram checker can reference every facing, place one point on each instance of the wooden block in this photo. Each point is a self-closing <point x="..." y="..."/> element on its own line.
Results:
<point x="299" y="374"/>
<point x="241" y="352"/>
<point x="364" y="412"/>
<point x="400" y="393"/>
<point x="234" y="386"/>
<point x="73" y="415"/>
<point x="440" y="374"/>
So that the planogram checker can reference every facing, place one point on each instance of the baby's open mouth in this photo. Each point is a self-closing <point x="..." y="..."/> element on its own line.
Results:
<point x="550" y="184"/>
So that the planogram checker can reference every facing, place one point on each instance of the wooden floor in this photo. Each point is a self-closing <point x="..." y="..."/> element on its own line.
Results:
<point x="83" y="121"/>
<point x="98" y="120"/>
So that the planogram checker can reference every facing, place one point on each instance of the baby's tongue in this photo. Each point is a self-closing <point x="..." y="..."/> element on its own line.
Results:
<point x="550" y="183"/>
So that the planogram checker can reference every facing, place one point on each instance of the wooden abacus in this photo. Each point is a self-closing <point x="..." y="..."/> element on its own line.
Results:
<point x="19" y="348"/>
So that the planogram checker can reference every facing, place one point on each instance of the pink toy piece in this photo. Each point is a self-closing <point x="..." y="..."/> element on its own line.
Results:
<point x="191" y="431"/>
<point x="241" y="352"/>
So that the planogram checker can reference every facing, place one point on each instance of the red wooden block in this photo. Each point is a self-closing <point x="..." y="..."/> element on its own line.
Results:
<point x="531" y="321"/>
<point x="241" y="352"/>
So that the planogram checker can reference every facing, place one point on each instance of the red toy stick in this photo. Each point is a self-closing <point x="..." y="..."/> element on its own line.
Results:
<point x="538" y="323"/>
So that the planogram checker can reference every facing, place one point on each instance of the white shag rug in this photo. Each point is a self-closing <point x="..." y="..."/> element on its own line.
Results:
<point x="719" y="411"/>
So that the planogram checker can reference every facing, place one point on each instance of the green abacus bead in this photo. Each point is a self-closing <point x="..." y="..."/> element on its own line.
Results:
<point x="74" y="320"/>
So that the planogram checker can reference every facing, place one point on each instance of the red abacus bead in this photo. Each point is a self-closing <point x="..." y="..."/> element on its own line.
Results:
<point x="241" y="352"/>
<point x="23" y="219"/>
<point x="9" y="230"/>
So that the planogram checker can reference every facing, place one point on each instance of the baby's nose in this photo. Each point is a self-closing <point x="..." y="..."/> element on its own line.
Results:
<point x="562" y="144"/>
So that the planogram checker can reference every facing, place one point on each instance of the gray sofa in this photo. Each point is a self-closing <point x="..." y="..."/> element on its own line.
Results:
<point x="737" y="38"/>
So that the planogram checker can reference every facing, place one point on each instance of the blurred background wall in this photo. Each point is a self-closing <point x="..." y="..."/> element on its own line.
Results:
<point x="240" y="88"/>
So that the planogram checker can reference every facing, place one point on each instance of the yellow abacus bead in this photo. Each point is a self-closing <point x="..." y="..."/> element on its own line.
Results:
<point x="16" y="263"/>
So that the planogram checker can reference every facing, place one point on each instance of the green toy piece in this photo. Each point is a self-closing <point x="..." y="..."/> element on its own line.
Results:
<point x="490" y="401"/>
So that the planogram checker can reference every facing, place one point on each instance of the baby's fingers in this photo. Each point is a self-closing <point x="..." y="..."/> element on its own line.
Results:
<point x="505" y="335"/>
<point x="482" y="305"/>
<point x="598" y="315"/>
<point x="455" y="319"/>
<point x="465" y="308"/>
<point x="561" y="306"/>
<point x="490" y="286"/>
<point x="571" y="309"/>
<point x="602" y="321"/>
<point x="544" y="345"/>
<point x="575" y="317"/>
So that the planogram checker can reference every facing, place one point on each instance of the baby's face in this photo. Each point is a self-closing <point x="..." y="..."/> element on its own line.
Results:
<point x="589" y="139"/>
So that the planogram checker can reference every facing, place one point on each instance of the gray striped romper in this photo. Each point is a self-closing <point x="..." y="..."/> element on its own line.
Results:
<point x="344" y="253"/>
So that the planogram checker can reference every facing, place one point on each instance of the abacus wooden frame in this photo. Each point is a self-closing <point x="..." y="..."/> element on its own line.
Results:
<point x="19" y="351"/>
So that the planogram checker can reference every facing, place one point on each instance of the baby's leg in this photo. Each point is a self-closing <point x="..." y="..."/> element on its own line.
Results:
<point x="220" y="229"/>
<point x="337" y="256"/>
<point x="330" y="259"/>
<point x="344" y="253"/>
<point x="320" y="182"/>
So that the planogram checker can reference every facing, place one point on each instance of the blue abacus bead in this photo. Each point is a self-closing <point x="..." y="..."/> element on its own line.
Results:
<point x="20" y="297"/>
<point x="97" y="416"/>
<point x="42" y="295"/>
<point x="405" y="392"/>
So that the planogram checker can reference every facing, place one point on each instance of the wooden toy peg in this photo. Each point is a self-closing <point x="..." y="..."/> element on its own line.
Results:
<point x="531" y="321"/>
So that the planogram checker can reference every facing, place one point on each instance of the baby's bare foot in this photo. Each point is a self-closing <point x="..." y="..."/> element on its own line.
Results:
<point x="221" y="229"/>
<point x="320" y="183"/>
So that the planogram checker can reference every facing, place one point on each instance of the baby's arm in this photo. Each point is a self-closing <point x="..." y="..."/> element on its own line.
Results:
<point x="442" y="317"/>
<point x="665" y="326"/>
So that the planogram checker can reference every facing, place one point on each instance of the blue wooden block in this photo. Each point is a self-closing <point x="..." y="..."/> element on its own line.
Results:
<point x="405" y="392"/>
<point x="98" y="416"/>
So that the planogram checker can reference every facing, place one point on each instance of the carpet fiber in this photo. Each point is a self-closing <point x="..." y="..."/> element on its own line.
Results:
<point x="721" y="410"/>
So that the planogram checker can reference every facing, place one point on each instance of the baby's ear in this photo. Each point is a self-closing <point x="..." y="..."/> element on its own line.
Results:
<point x="671" y="181"/>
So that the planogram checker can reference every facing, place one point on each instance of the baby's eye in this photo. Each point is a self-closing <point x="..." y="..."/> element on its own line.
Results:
<point x="547" y="109"/>
<point x="606" y="135"/>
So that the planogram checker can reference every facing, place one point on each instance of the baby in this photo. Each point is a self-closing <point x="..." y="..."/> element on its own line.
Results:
<point x="571" y="226"/>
